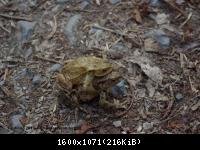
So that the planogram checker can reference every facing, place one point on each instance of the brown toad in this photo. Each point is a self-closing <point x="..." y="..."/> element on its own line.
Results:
<point x="89" y="77"/>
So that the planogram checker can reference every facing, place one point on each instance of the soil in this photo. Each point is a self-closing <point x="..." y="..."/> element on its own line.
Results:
<point x="157" y="44"/>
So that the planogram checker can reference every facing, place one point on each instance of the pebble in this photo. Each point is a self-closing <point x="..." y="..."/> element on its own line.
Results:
<point x="25" y="30"/>
<point x="147" y="125"/>
<point x="74" y="124"/>
<point x="15" y="122"/>
<point x="28" y="53"/>
<point x="117" y="123"/>
<point x="61" y="1"/>
<point x="119" y="89"/>
<point x="124" y="132"/>
<point x="160" y="37"/>
<point x="4" y="131"/>
<point x="114" y="1"/>
<point x="37" y="80"/>
<point x="155" y="3"/>
<point x="71" y="28"/>
<point x="55" y="68"/>
<point x="179" y="96"/>
<point x="180" y="2"/>
<point x="32" y="3"/>
<point x="84" y="4"/>
<point x="25" y="72"/>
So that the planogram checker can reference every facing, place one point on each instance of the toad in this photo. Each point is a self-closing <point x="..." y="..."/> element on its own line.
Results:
<point x="89" y="77"/>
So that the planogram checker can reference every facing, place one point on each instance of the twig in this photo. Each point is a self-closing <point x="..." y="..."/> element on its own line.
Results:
<point x="176" y="8"/>
<point x="53" y="29"/>
<point x="11" y="61"/>
<point x="5" y="91"/>
<point x="170" y="105"/>
<point x="15" y="17"/>
<point x="192" y="86"/>
<point x="4" y="126"/>
<point x="5" y="74"/>
<point x="4" y="28"/>
<point x="2" y="1"/>
<point x="169" y="118"/>
<point x="116" y="32"/>
<point x="86" y="11"/>
<point x="7" y="9"/>
<point x="47" y="59"/>
<point x="188" y="18"/>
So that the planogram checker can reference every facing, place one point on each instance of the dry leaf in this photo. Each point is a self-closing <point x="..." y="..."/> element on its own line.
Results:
<point x="150" y="87"/>
<point x="2" y="103"/>
<point x="195" y="106"/>
<point x="150" y="45"/>
<point x="160" y="97"/>
<point x="137" y="16"/>
<point x="153" y="72"/>
<point x="24" y="120"/>
<point x="98" y="2"/>
<point x="84" y="128"/>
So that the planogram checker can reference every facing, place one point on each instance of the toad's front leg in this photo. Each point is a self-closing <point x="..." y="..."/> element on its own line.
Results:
<point x="103" y="102"/>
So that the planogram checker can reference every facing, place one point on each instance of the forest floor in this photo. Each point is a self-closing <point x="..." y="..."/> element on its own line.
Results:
<point x="156" y="41"/>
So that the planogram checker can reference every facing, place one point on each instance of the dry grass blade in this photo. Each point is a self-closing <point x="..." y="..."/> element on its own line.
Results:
<point x="53" y="29"/>
<point x="15" y="17"/>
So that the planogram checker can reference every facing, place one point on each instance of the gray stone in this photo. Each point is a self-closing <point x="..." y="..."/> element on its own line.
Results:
<point x="147" y="126"/>
<point x="25" y="72"/>
<point x="28" y="53"/>
<point x="120" y="47"/>
<point x="71" y="28"/>
<point x="155" y="3"/>
<point x="15" y="122"/>
<point x="119" y="89"/>
<point x="180" y="2"/>
<point x="37" y="79"/>
<point x="84" y="4"/>
<point x="25" y="29"/>
<point x="124" y="132"/>
<point x="160" y="37"/>
<point x="4" y="131"/>
<point x="61" y="1"/>
<point x="117" y="123"/>
<point x="55" y="67"/>
<point x="32" y="3"/>
<point x="179" y="96"/>
<point x="114" y="1"/>
<point x="74" y="124"/>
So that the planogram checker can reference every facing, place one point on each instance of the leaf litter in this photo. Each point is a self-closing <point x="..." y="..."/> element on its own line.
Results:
<point x="156" y="43"/>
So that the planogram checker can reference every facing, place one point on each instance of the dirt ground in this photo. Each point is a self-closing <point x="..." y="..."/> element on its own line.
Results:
<point x="155" y="41"/>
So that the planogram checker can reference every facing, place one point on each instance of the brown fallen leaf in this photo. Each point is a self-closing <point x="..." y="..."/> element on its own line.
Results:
<point x="152" y="71"/>
<point x="24" y="120"/>
<point x="137" y="16"/>
<point x="85" y="127"/>
<point x="150" y="45"/>
<point x="195" y="106"/>
<point x="176" y="125"/>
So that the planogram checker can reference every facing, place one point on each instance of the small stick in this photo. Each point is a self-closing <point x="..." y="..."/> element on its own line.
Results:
<point x="15" y="17"/>
<point x="113" y="31"/>
<point x="188" y="18"/>
<point x="47" y="59"/>
<point x="176" y="8"/>
<point x="5" y="74"/>
<point x="11" y="61"/>
<point x="170" y="105"/>
<point x="4" y="28"/>
<point x="85" y="11"/>
<point x="53" y="29"/>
